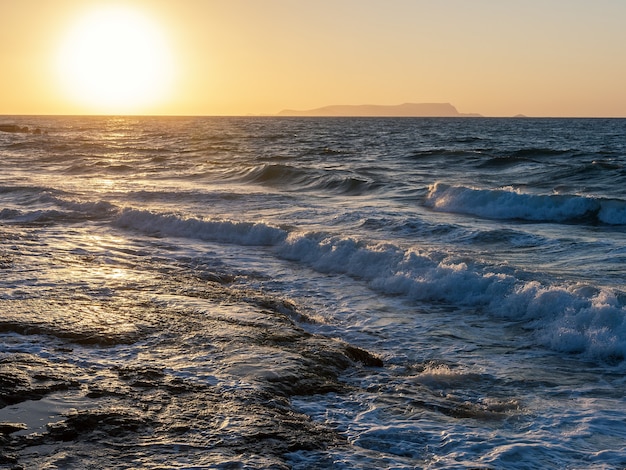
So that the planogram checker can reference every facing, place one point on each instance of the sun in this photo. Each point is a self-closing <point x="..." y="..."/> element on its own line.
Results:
<point x="115" y="60"/>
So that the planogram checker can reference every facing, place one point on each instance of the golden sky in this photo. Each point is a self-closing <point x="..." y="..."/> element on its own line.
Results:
<point x="238" y="57"/>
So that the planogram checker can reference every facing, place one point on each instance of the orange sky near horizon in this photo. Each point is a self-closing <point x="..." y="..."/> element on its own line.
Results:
<point x="238" y="57"/>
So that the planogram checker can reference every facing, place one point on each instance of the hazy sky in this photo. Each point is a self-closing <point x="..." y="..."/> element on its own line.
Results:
<point x="493" y="57"/>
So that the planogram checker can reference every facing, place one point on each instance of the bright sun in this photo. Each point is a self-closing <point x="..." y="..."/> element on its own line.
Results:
<point x="115" y="60"/>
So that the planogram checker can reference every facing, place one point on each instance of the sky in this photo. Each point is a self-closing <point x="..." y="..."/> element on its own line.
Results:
<point x="238" y="57"/>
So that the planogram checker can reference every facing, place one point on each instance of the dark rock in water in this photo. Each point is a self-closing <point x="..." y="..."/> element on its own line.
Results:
<point x="18" y="129"/>
<point x="111" y="422"/>
<point x="9" y="428"/>
<point x="8" y="459"/>
<point x="363" y="356"/>
<point x="28" y="378"/>
<point x="144" y="377"/>
<point x="13" y="128"/>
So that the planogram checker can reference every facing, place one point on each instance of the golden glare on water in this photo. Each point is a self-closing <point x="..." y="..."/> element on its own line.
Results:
<point x="115" y="60"/>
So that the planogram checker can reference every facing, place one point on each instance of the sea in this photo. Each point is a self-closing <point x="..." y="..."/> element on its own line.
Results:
<point x="310" y="293"/>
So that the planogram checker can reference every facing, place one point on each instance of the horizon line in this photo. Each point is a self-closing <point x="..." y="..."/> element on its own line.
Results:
<point x="251" y="115"/>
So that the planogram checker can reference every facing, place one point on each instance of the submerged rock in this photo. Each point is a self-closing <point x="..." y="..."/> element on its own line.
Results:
<point x="25" y="377"/>
<point x="146" y="410"/>
<point x="180" y="367"/>
<point x="10" y="428"/>
<point x="112" y="422"/>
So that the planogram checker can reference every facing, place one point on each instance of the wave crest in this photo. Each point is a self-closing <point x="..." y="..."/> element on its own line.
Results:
<point x="515" y="205"/>
<point x="224" y="231"/>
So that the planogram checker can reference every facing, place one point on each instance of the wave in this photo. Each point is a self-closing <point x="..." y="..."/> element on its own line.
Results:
<point x="347" y="185"/>
<point x="41" y="216"/>
<point x="26" y="189"/>
<point x="7" y="213"/>
<point x="569" y="318"/>
<point x="98" y="168"/>
<point x="509" y="204"/>
<point x="275" y="173"/>
<point x="536" y="152"/>
<point x="524" y="155"/>
<point x="46" y="205"/>
<point x="447" y="152"/>
<point x="223" y="231"/>
<point x="88" y="211"/>
<point x="501" y="162"/>
<point x="607" y="165"/>
<point x="288" y="176"/>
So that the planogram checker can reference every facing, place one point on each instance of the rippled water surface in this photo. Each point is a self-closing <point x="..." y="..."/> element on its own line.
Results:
<point x="313" y="293"/>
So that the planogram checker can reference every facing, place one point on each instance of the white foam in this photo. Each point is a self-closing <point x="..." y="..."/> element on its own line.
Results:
<point x="571" y="318"/>
<point x="508" y="203"/>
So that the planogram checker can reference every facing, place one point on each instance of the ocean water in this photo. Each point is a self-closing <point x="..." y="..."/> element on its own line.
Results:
<point x="313" y="293"/>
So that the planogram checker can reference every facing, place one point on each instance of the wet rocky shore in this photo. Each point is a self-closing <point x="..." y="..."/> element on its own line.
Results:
<point x="187" y="370"/>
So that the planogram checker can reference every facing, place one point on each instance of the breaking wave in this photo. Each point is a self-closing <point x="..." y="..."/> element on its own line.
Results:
<point x="514" y="205"/>
<point x="571" y="318"/>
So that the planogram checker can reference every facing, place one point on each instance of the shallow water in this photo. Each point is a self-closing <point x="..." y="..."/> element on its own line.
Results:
<point x="215" y="292"/>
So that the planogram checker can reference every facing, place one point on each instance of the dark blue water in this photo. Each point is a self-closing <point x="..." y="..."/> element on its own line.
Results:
<point x="481" y="259"/>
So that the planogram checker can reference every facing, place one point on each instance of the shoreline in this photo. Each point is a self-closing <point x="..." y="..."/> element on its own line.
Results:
<point x="114" y="413"/>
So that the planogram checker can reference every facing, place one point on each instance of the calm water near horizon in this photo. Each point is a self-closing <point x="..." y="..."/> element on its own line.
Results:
<point x="218" y="292"/>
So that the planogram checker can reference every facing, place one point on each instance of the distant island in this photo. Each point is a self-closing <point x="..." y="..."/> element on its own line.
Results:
<point x="373" y="110"/>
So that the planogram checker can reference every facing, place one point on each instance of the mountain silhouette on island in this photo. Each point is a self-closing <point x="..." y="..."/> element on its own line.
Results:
<point x="373" y="110"/>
